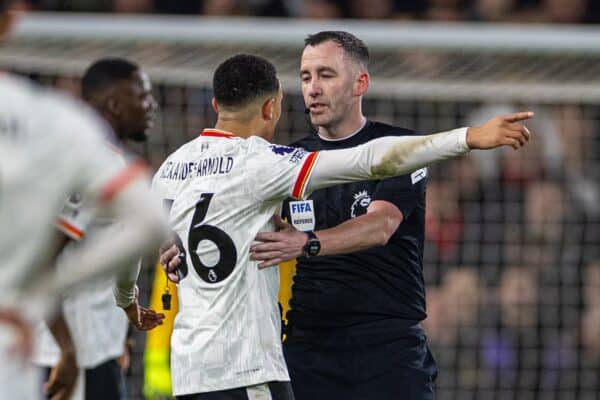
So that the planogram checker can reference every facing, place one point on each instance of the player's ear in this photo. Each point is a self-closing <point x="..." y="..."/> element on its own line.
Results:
<point x="268" y="109"/>
<point x="361" y="85"/>
<point x="113" y="106"/>
<point x="214" y="104"/>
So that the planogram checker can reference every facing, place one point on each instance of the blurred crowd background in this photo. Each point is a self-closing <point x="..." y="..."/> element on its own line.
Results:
<point x="518" y="11"/>
<point x="512" y="259"/>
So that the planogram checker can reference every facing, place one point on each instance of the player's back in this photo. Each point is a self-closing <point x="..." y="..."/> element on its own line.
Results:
<point x="224" y="190"/>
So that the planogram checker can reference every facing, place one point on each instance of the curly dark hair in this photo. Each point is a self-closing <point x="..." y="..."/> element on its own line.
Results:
<point x="104" y="73"/>
<point x="243" y="78"/>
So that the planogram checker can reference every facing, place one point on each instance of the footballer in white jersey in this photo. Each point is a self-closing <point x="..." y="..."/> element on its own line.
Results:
<point x="51" y="146"/>
<point x="122" y="94"/>
<point x="222" y="188"/>
<point x="97" y="326"/>
<point x="39" y="168"/>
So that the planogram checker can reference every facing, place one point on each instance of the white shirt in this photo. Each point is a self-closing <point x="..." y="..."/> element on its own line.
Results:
<point x="225" y="190"/>
<point x="50" y="146"/>
<point x="97" y="326"/>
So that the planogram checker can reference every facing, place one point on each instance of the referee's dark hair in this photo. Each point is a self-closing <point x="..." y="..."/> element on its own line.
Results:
<point x="243" y="78"/>
<point x="104" y="73"/>
<point x="353" y="46"/>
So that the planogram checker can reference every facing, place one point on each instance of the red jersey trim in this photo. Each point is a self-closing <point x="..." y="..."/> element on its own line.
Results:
<point x="70" y="230"/>
<point x="122" y="179"/>
<point x="217" y="133"/>
<point x="304" y="174"/>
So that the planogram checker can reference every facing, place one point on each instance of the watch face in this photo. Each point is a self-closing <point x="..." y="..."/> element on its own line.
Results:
<point x="313" y="247"/>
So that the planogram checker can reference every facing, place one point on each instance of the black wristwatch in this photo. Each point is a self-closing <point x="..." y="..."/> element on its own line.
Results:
<point x="312" y="246"/>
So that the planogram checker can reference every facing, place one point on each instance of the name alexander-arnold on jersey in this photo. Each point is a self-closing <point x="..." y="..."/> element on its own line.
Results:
<point x="191" y="169"/>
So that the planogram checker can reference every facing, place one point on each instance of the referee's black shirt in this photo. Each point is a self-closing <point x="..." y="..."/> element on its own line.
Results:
<point x="382" y="283"/>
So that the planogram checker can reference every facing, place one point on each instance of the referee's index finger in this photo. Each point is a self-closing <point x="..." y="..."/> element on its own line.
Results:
<point x="520" y="116"/>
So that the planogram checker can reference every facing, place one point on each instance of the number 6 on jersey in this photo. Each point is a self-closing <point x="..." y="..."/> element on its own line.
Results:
<point x="198" y="232"/>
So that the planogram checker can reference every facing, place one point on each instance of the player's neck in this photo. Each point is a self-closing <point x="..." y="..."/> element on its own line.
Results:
<point x="237" y="127"/>
<point x="113" y="123"/>
<point x="344" y="129"/>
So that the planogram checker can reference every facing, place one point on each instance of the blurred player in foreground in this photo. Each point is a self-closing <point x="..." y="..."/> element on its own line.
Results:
<point x="122" y="95"/>
<point x="51" y="147"/>
<point x="224" y="187"/>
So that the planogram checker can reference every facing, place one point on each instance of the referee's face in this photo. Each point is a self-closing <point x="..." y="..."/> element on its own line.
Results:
<point x="327" y="76"/>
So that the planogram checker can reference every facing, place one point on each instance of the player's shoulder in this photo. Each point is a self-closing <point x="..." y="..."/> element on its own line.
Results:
<point x="377" y="129"/>
<point x="256" y="145"/>
<point x="276" y="152"/>
<point x="16" y="88"/>
<point x="256" y="142"/>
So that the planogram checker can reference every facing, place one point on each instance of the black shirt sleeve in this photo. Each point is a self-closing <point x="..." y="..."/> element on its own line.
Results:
<point x="401" y="192"/>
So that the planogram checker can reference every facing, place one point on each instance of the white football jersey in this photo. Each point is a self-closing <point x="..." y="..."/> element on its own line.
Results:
<point x="224" y="190"/>
<point x="98" y="327"/>
<point x="50" y="146"/>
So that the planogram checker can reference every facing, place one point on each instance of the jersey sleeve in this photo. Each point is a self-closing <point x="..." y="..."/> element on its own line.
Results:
<point x="385" y="157"/>
<point x="75" y="217"/>
<point x="405" y="191"/>
<point x="277" y="172"/>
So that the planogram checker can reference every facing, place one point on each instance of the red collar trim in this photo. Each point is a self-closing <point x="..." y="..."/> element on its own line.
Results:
<point x="217" y="133"/>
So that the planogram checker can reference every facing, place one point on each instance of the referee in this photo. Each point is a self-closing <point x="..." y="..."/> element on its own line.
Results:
<point x="358" y="295"/>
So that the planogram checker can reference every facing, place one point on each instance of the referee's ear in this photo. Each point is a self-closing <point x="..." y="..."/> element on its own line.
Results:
<point x="361" y="85"/>
<point x="215" y="106"/>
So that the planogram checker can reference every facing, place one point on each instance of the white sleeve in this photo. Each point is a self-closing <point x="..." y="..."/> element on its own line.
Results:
<point x="75" y="217"/>
<point x="85" y="164"/>
<point x="125" y="285"/>
<point x="383" y="158"/>
<point x="143" y="229"/>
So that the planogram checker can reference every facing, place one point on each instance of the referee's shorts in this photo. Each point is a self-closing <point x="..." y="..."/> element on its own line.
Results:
<point x="265" y="391"/>
<point x="372" y="362"/>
